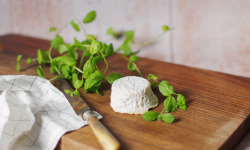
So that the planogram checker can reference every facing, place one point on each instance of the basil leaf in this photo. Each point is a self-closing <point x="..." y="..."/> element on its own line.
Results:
<point x="86" y="53"/>
<point x="90" y="17"/>
<point x="133" y="58"/>
<point x="62" y="48"/>
<point x="93" y="82"/>
<point x="165" y="88"/>
<point x="95" y="47"/>
<point x="40" y="71"/>
<point x="56" y="42"/>
<point x="167" y="117"/>
<point x="165" y="28"/>
<point x="110" y="50"/>
<point x="89" y="67"/>
<point x="64" y="60"/>
<point x="73" y="53"/>
<point x="181" y="99"/>
<point x="112" y="77"/>
<point x="174" y="104"/>
<point x="91" y="37"/>
<point x="68" y="91"/>
<point x="29" y="60"/>
<point x="65" y="71"/>
<point x="18" y="59"/>
<point x="183" y="107"/>
<point x="43" y="56"/>
<point x="150" y="115"/>
<point x="153" y="77"/>
<point x="52" y="29"/>
<point x="75" y="26"/>
<point x="97" y="59"/>
<point x="76" y="92"/>
<point x="76" y="82"/>
<point x="131" y="66"/>
<point x="168" y="104"/>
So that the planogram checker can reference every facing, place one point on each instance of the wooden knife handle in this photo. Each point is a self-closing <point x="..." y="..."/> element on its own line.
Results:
<point x="107" y="140"/>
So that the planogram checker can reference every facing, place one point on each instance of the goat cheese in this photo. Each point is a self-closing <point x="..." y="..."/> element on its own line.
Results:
<point x="132" y="95"/>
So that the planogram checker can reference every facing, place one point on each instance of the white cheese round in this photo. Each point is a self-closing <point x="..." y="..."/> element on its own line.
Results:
<point x="132" y="95"/>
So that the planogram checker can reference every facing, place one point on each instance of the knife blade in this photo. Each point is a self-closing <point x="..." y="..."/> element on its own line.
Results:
<point x="106" y="139"/>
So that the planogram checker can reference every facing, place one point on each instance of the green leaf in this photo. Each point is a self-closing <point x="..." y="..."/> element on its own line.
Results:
<point x="73" y="53"/>
<point x="86" y="53"/>
<point x="168" y="104"/>
<point x="62" y="48"/>
<point x="89" y="67"/>
<point x="110" y="31"/>
<point x="90" y="17"/>
<point x="68" y="91"/>
<point x="76" y="82"/>
<point x="159" y="118"/>
<point x="93" y="82"/>
<point x="126" y="48"/>
<point x="18" y="62"/>
<point x="131" y="66"/>
<point x="112" y="77"/>
<point x="129" y="37"/>
<point x="52" y="29"/>
<point x="40" y="71"/>
<point x="150" y="115"/>
<point x="174" y="104"/>
<point x="95" y="47"/>
<point x="97" y="58"/>
<point x="29" y="60"/>
<point x="91" y="37"/>
<point x="183" y="107"/>
<point x="43" y="56"/>
<point x="165" y="88"/>
<point x="52" y="69"/>
<point x="76" y="92"/>
<point x="133" y="58"/>
<point x="56" y="42"/>
<point x="65" y="71"/>
<point x="181" y="99"/>
<point x="110" y="50"/>
<point x="63" y="60"/>
<point x="167" y="117"/>
<point x="152" y="77"/>
<point x="165" y="28"/>
<point x="75" y="26"/>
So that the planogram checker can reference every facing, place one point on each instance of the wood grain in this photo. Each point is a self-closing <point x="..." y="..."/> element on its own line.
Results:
<point x="218" y="105"/>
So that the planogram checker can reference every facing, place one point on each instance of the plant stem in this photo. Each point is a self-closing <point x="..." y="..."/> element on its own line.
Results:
<point x="80" y="65"/>
<point x="106" y="63"/>
<point x="50" y="58"/>
<point x="149" y="41"/>
<point x="81" y="26"/>
<point x="137" y="69"/>
<point x="55" y="78"/>
<point x="78" y="69"/>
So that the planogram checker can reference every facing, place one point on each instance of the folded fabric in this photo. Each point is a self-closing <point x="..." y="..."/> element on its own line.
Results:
<point x="33" y="113"/>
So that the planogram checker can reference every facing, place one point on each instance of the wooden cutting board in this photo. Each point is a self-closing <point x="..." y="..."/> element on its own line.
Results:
<point x="218" y="104"/>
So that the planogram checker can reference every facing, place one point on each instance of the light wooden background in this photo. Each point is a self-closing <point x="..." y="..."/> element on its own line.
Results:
<point x="207" y="34"/>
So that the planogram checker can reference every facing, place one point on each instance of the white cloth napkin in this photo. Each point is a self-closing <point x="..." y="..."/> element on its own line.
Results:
<point x="33" y="114"/>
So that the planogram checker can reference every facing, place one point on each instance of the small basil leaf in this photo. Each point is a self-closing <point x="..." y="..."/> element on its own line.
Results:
<point x="110" y="50"/>
<point x="18" y="59"/>
<point x="90" y="17"/>
<point x="167" y="117"/>
<point x="29" y="60"/>
<point x="131" y="66"/>
<point x="89" y="67"/>
<point x="95" y="47"/>
<point x="165" y="88"/>
<point x="40" y="71"/>
<point x="52" y="29"/>
<point x="112" y="77"/>
<point x="56" y="42"/>
<point x="93" y="82"/>
<point x="133" y="58"/>
<point x="150" y="115"/>
<point x="75" y="26"/>
<point x="165" y="28"/>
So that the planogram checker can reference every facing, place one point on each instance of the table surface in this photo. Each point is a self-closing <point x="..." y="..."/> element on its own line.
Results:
<point x="218" y="104"/>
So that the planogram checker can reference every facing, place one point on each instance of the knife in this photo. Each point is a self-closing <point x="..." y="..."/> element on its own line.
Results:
<point x="106" y="139"/>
